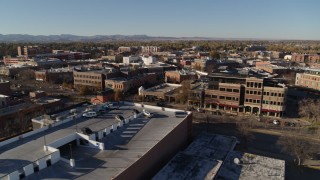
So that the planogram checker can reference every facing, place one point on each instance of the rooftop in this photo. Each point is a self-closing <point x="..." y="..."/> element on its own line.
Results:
<point x="122" y="148"/>
<point x="251" y="166"/>
<point x="165" y="87"/>
<point x="201" y="160"/>
<point x="211" y="156"/>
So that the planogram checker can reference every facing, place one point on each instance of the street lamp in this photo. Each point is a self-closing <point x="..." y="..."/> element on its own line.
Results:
<point x="44" y="136"/>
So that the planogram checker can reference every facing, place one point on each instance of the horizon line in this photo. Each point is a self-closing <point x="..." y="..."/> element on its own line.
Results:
<point x="156" y="36"/>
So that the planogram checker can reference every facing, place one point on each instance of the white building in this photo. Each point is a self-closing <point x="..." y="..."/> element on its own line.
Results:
<point x="149" y="49"/>
<point x="147" y="60"/>
<point x="130" y="59"/>
<point x="287" y="57"/>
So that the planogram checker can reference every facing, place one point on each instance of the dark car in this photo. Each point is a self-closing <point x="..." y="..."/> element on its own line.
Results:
<point x="180" y="114"/>
<point x="161" y="104"/>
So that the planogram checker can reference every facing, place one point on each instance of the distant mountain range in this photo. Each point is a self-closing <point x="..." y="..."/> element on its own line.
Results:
<point x="96" y="38"/>
<point x="105" y="38"/>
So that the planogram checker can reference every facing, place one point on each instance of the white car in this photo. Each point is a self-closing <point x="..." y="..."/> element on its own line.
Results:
<point x="89" y="114"/>
<point x="276" y="122"/>
<point x="147" y="114"/>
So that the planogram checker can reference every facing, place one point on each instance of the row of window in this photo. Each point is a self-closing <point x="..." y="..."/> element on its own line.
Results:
<point x="273" y="94"/>
<point x="253" y="92"/>
<point x="229" y="90"/>
<point x="87" y="76"/>
<point x="86" y="81"/>
<point x="272" y="103"/>
<point x="254" y="84"/>
<point x="223" y="97"/>
<point x="255" y="101"/>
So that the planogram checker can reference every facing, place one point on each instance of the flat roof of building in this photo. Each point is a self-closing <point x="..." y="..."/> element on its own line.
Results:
<point x="211" y="156"/>
<point x="201" y="160"/>
<point x="251" y="166"/>
<point x="123" y="147"/>
<point x="165" y="87"/>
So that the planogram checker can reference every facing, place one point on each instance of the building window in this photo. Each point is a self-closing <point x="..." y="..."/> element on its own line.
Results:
<point x="237" y="90"/>
<point x="222" y="97"/>
<point x="222" y="89"/>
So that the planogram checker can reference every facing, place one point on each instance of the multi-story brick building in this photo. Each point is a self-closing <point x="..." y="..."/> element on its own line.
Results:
<point x="244" y="95"/>
<point x="300" y="58"/>
<point x="309" y="79"/>
<point x="131" y="83"/>
<point x="16" y="119"/>
<point x="93" y="79"/>
<point x="179" y="76"/>
<point x="270" y="68"/>
<point x="314" y="58"/>
<point x="55" y="75"/>
<point x="124" y="49"/>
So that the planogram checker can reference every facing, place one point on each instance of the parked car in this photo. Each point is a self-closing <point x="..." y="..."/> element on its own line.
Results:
<point x="292" y="124"/>
<point x="276" y="122"/>
<point x="180" y="114"/>
<point x="161" y="103"/>
<point x="147" y="113"/>
<point x="102" y="111"/>
<point x="110" y="106"/>
<point x="89" y="114"/>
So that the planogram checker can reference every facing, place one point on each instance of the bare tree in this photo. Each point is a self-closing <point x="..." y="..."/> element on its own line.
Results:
<point x="296" y="146"/>
<point x="244" y="129"/>
<point x="184" y="91"/>
<point x="118" y="96"/>
<point x="309" y="109"/>
<point x="26" y="74"/>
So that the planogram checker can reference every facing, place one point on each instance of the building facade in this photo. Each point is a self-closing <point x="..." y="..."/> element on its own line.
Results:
<point x="179" y="76"/>
<point x="54" y="75"/>
<point x="309" y="79"/>
<point x="94" y="80"/>
<point x="132" y="83"/>
<point x="244" y="95"/>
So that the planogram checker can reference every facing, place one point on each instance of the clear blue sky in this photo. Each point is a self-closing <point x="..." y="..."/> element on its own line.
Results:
<point x="278" y="19"/>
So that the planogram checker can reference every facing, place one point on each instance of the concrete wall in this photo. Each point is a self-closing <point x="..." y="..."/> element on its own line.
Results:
<point x="161" y="153"/>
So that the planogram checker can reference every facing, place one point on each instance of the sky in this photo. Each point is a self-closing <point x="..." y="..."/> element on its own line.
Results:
<point x="264" y="19"/>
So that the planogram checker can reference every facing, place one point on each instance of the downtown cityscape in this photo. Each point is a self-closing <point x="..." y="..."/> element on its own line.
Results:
<point x="160" y="90"/>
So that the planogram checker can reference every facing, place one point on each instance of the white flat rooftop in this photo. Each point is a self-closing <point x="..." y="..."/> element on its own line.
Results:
<point x="123" y="147"/>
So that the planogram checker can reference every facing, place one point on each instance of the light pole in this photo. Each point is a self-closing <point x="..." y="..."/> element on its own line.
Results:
<point x="44" y="137"/>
